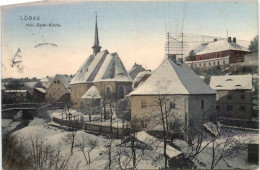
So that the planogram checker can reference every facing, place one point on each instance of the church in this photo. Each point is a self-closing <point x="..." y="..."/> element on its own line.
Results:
<point x="103" y="70"/>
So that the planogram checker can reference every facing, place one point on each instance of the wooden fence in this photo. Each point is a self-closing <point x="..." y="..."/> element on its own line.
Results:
<point x="104" y="130"/>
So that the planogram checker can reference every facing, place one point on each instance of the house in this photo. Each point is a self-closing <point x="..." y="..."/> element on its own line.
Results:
<point x="137" y="68"/>
<point x="234" y="98"/>
<point x="141" y="77"/>
<point x="189" y="99"/>
<point x="217" y="53"/>
<point x="249" y="65"/>
<point x="105" y="71"/>
<point x="59" y="89"/>
<point x="16" y="96"/>
<point x="39" y="94"/>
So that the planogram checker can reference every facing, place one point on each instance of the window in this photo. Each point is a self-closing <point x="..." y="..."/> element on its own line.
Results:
<point x="108" y="92"/>
<point x="214" y="63"/>
<point x="217" y="108"/>
<point x="143" y="105"/>
<point x="229" y="97"/>
<point x="229" y="108"/>
<point x="224" y="62"/>
<point x="200" y="64"/>
<point x="218" y="63"/>
<point x="242" y="96"/>
<point x="58" y="81"/>
<point x="172" y="105"/>
<point x="121" y="93"/>
<point x="202" y="104"/>
<point x="54" y="81"/>
<point x="143" y="124"/>
<point x="209" y="63"/>
<point x="242" y="108"/>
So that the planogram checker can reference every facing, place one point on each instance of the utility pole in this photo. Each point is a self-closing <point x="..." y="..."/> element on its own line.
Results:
<point x="182" y="45"/>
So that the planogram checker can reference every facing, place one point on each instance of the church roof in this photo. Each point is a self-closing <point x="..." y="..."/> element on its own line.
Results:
<point x="216" y="46"/>
<point x="92" y="93"/>
<point x="102" y="67"/>
<point x="173" y="78"/>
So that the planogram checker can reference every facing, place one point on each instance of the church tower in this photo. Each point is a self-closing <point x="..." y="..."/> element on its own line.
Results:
<point x="96" y="47"/>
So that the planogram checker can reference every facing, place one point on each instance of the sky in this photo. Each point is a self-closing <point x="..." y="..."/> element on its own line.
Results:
<point x="135" y="30"/>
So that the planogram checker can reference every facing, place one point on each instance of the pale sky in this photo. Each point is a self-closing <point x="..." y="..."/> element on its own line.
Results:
<point x="135" y="30"/>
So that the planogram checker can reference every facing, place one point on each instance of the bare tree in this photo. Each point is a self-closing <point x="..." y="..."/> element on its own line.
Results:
<point x="91" y="144"/>
<point x="70" y="139"/>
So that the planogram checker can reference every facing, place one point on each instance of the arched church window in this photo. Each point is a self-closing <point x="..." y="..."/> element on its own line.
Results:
<point x="121" y="93"/>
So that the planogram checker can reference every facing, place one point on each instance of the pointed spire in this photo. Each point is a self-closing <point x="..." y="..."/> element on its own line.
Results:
<point x="96" y="47"/>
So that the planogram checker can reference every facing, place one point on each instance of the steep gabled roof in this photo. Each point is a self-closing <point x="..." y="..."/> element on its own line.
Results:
<point x="112" y="70"/>
<point x="65" y="79"/>
<point x="220" y="45"/>
<point x="171" y="78"/>
<point x="231" y="82"/>
<point x="102" y="67"/>
<point x="135" y="70"/>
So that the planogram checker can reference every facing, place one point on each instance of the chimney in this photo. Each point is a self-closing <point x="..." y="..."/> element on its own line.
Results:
<point x="234" y="40"/>
<point x="229" y="39"/>
<point x="215" y="39"/>
<point x="172" y="57"/>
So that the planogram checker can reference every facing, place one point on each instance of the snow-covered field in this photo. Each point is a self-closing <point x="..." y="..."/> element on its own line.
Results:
<point x="99" y="156"/>
<point x="149" y="159"/>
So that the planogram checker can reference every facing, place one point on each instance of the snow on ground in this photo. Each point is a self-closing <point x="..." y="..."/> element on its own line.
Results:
<point x="237" y="160"/>
<point x="99" y="155"/>
<point x="9" y="124"/>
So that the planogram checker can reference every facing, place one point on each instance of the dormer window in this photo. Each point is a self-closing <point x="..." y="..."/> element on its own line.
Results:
<point x="238" y="85"/>
<point x="219" y="86"/>
<point x="229" y="80"/>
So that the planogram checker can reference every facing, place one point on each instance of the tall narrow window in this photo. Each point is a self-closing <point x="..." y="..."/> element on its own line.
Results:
<point x="121" y="93"/>
<point x="242" y="96"/>
<point x="229" y="97"/>
<point x="217" y="108"/>
<point x="202" y="104"/>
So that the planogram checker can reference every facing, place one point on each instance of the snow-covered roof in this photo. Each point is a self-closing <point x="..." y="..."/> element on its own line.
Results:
<point x="135" y="70"/>
<point x="101" y="67"/>
<point x="140" y="75"/>
<point x="16" y="91"/>
<point x="46" y="81"/>
<point x="231" y="82"/>
<point x="171" y="78"/>
<point x="220" y="45"/>
<point x="92" y="93"/>
<point x="41" y="90"/>
<point x="212" y="128"/>
<point x="156" y="144"/>
<point x="65" y="79"/>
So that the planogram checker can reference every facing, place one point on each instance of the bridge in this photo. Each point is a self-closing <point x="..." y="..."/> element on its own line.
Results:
<point x="28" y="110"/>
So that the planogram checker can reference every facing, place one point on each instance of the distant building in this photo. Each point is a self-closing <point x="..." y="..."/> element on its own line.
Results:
<point x="234" y="98"/>
<point x="189" y="98"/>
<point x="46" y="81"/>
<point x="16" y="96"/>
<point x="59" y="89"/>
<point x="140" y="78"/>
<point x="217" y="53"/>
<point x="135" y="70"/>
<point x="250" y="65"/>
<point x="39" y="94"/>
<point x="105" y="71"/>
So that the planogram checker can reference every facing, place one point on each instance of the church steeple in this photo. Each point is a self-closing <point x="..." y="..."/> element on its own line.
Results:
<point x="96" y="47"/>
